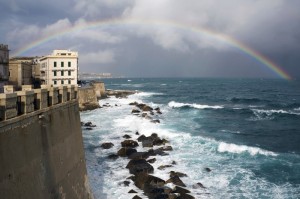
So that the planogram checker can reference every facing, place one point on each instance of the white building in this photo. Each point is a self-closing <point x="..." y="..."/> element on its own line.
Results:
<point x="59" y="68"/>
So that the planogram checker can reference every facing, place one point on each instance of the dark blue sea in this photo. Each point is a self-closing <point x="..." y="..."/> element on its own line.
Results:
<point x="247" y="131"/>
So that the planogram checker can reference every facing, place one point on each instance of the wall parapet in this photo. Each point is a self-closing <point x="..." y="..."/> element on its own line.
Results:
<point x="29" y="100"/>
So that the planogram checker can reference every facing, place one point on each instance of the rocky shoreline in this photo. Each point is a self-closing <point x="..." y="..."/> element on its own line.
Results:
<point x="139" y="162"/>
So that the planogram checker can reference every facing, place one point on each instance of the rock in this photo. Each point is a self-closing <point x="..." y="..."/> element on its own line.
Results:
<point x="180" y="190"/>
<point x="82" y="123"/>
<point x="89" y="124"/>
<point x="159" y="112"/>
<point x="179" y="174"/>
<point x="133" y="103"/>
<point x="89" y="128"/>
<point x="135" y="111"/>
<point x="199" y="185"/>
<point x="146" y="108"/>
<point x="139" y="166"/>
<point x="141" y="138"/>
<point x="88" y="106"/>
<point x="162" y="167"/>
<point x="132" y="191"/>
<point x="113" y="156"/>
<point x="151" y="113"/>
<point x="146" y="182"/>
<point x="167" y="148"/>
<point x="186" y="196"/>
<point x="148" y="117"/>
<point x="155" y="152"/>
<point x="151" y="160"/>
<point x="155" y="121"/>
<point x="126" y="151"/>
<point x="137" y="133"/>
<point x="207" y="169"/>
<point x="147" y="142"/>
<point x="158" y="141"/>
<point x="144" y="114"/>
<point x="126" y="136"/>
<point x="107" y="145"/>
<point x="139" y="155"/>
<point x="176" y="181"/>
<point x="154" y="135"/>
<point x="126" y="183"/>
<point x="136" y="197"/>
<point x="174" y="162"/>
<point x="157" y="109"/>
<point x="129" y="143"/>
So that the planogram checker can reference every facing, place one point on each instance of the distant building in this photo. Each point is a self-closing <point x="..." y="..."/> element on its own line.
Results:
<point x="20" y="71"/>
<point x="59" y="68"/>
<point x="4" y="57"/>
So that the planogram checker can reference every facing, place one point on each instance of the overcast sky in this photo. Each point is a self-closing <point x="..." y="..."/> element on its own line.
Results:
<point x="145" y="49"/>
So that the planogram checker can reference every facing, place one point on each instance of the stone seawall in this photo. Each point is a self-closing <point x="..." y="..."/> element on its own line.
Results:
<point x="42" y="154"/>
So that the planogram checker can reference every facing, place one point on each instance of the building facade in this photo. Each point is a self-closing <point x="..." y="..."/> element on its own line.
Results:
<point x="20" y="71"/>
<point x="4" y="57"/>
<point x="59" y="68"/>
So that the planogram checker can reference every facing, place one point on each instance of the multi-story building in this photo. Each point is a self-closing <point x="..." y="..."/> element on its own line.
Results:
<point x="20" y="71"/>
<point x="4" y="57"/>
<point x="59" y="68"/>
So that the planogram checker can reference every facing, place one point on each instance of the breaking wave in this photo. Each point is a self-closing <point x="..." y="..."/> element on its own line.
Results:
<point x="233" y="148"/>
<point x="174" y="104"/>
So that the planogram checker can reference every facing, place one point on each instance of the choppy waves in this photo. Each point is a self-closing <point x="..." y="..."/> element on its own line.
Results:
<point x="233" y="148"/>
<point x="174" y="104"/>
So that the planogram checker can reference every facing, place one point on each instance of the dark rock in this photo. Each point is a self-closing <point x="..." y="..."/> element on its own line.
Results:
<point x="88" y="106"/>
<point x="179" y="174"/>
<point x="136" y="197"/>
<point x="158" y="141"/>
<point x="167" y="148"/>
<point x="126" y="151"/>
<point x="139" y="155"/>
<point x="155" y="121"/>
<point x="151" y="113"/>
<point x="186" y="196"/>
<point x="141" y="138"/>
<point x="113" y="156"/>
<point x="89" y="124"/>
<point x="162" y="167"/>
<point x="140" y="106"/>
<point x="174" y="162"/>
<point x="154" y="135"/>
<point x="132" y="191"/>
<point x="131" y="178"/>
<point x="157" y="109"/>
<point x="181" y="190"/>
<point x="89" y="128"/>
<point x="148" y="117"/>
<point x="107" y="145"/>
<point x="146" y="182"/>
<point x="137" y="133"/>
<point x="126" y="183"/>
<point x="147" y="142"/>
<point x="137" y="166"/>
<point x="155" y="152"/>
<point x="146" y="108"/>
<point x="159" y="112"/>
<point x="199" y="185"/>
<point x="129" y="143"/>
<point x="176" y="181"/>
<point x="126" y="136"/>
<point x="144" y="114"/>
<point x="133" y="103"/>
<point x="151" y="160"/>
<point x="82" y="123"/>
<point x="135" y="111"/>
<point x="207" y="169"/>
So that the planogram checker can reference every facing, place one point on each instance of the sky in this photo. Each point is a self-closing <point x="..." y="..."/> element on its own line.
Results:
<point x="159" y="38"/>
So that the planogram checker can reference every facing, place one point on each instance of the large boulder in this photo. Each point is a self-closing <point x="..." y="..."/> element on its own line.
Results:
<point x="141" y="138"/>
<point x="126" y="151"/>
<point x="126" y="136"/>
<point x="137" y="166"/>
<point x="129" y="143"/>
<point x="107" y="145"/>
<point x="176" y="181"/>
<point x="147" y="142"/>
<point x="139" y="155"/>
<point x="147" y="108"/>
<point x="179" y="174"/>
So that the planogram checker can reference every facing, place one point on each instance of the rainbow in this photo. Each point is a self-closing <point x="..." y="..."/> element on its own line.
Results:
<point x="277" y="70"/>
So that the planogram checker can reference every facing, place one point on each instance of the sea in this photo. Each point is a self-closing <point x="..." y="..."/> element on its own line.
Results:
<point x="246" y="131"/>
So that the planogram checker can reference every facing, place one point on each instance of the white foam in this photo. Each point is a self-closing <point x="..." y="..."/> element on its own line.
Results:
<point x="272" y="111"/>
<point x="174" y="104"/>
<point x="233" y="148"/>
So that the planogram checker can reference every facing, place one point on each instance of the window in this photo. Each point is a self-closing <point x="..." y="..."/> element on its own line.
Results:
<point x="69" y="81"/>
<point x="62" y="81"/>
<point x="54" y="73"/>
<point x="69" y="73"/>
<point x="62" y="73"/>
<point x="55" y="64"/>
<point x="69" y="64"/>
<point x="62" y="64"/>
<point x="55" y="82"/>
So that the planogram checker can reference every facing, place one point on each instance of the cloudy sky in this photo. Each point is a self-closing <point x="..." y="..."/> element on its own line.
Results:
<point x="159" y="38"/>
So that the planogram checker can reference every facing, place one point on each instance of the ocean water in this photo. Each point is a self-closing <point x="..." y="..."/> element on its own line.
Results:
<point x="247" y="131"/>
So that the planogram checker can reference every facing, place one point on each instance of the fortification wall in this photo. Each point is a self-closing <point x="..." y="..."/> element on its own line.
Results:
<point x="87" y="98"/>
<point x="41" y="151"/>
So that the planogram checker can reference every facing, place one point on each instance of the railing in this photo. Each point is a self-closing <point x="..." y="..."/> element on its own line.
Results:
<point x="29" y="100"/>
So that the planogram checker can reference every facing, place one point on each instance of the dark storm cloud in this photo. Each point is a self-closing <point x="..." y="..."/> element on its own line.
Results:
<point x="270" y="27"/>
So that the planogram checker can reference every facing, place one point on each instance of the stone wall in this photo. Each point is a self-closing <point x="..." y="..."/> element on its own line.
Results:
<point x="41" y="152"/>
<point x="87" y="98"/>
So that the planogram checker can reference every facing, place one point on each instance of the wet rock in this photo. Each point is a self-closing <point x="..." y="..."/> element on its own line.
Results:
<point x="146" y="108"/>
<point x="136" y="197"/>
<point x="207" y="169"/>
<point x="135" y="111"/>
<point x="147" y="142"/>
<point x="139" y="155"/>
<point x="155" y="121"/>
<point x="144" y="114"/>
<point x="126" y="136"/>
<point x="139" y="166"/>
<point x="176" y="181"/>
<point x="179" y="174"/>
<point x="113" y="156"/>
<point x="133" y="103"/>
<point x="186" y="196"/>
<point x="180" y="190"/>
<point x="162" y="167"/>
<point x="167" y="148"/>
<point x="89" y="124"/>
<point x="154" y="135"/>
<point x="141" y="138"/>
<point x="132" y="191"/>
<point x="107" y="145"/>
<point x="155" y="152"/>
<point x="151" y="160"/>
<point x="151" y="113"/>
<point x="159" y="112"/>
<point x="89" y="128"/>
<point x="199" y="185"/>
<point x="174" y="162"/>
<point x="126" y="183"/>
<point x="147" y="182"/>
<point x="157" y="109"/>
<point x="148" y="117"/>
<point x="158" y="141"/>
<point x="129" y="143"/>
<point x="126" y="151"/>
<point x="137" y="133"/>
